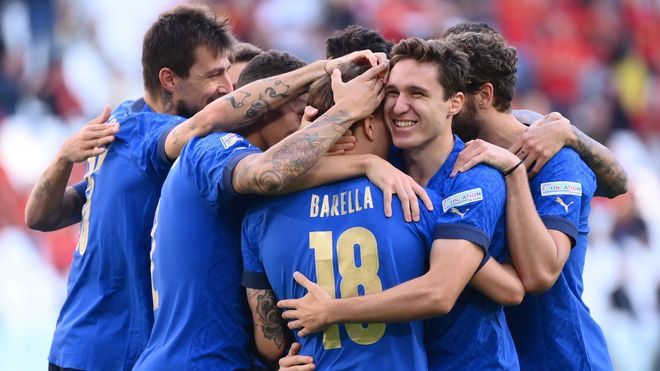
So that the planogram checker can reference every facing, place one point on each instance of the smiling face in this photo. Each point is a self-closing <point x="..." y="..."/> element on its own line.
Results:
<point x="416" y="112"/>
<point x="207" y="81"/>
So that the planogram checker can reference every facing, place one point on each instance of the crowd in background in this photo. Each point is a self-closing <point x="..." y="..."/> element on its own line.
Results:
<point x="596" y="62"/>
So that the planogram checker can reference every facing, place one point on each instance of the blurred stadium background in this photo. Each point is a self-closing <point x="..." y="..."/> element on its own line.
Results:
<point x="596" y="61"/>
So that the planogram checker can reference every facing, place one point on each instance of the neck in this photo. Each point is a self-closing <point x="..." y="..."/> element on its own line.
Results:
<point x="500" y="128"/>
<point x="162" y="103"/>
<point x="424" y="161"/>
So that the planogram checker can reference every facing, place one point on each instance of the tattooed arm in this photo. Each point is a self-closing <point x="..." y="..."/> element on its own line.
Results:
<point x="545" y="137"/>
<point x="246" y="105"/>
<point x="271" y="335"/>
<point x="270" y="171"/>
<point x="51" y="204"/>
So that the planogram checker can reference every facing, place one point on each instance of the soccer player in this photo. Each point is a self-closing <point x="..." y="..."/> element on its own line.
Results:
<point x="242" y="54"/>
<point x="332" y="227"/>
<point x="423" y="93"/>
<point x="553" y="330"/>
<point x="107" y="316"/>
<point x="202" y="319"/>
<point x="547" y="135"/>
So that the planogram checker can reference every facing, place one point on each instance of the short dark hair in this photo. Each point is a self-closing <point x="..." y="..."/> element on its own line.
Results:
<point x="245" y="52"/>
<point x="173" y="40"/>
<point x="491" y="60"/>
<point x="451" y="63"/>
<point x="268" y="64"/>
<point x="468" y="27"/>
<point x="354" y="38"/>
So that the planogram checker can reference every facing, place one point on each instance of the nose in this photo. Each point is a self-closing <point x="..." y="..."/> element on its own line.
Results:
<point x="224" y="84"/>
<point x="400" y="105"/>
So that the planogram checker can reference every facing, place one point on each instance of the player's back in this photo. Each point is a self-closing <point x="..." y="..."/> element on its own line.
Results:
<point x="106" y="319"/>
<point x="338" y="236"/>
<point x="201" y="314"/>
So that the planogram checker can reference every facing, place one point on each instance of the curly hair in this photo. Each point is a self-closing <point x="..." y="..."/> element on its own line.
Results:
<point x="468" y="27"/>
<point x="452" y="64"/>
<point x="245" y="52"/>
<point x="173" y="39"/>
<point x="491" y="60"/>
<point x="354" y="38"/>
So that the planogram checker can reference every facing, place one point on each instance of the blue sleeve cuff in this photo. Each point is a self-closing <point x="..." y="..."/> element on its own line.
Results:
<point x="454" y="231"/>
<point x="162" y="155"/>
<point x="255" y="280"/>
<point x="562" y="225"/>
<point x="228" y="171"/>
<point x="80" y="188"/>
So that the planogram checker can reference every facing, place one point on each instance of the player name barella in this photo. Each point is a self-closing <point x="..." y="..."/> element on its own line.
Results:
<point x="342" y="203"/>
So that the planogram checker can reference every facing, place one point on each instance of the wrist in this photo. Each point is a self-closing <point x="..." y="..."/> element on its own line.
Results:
<point x="517" y="168"/>
<point x="572" y="137"/>
<point x="62" y="159"/>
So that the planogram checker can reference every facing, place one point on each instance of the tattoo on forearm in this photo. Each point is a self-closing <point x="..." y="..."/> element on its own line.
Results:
<point x="257" y="108"/>
<point x="610" y="176"/>
<point x="278" y="90"/>
<point x="240" y="102"/>
<point x="271" y="317"/>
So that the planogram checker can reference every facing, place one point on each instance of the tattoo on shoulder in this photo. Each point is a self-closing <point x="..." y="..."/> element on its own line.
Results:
<point x="270" y="315"/>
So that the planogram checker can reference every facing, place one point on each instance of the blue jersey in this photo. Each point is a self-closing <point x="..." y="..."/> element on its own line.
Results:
<point x="474" y="334"/>
<point x="338" y="236"/>
<point x="554" y="331"/>
<point x="106" y="319"/>
<point x="202" y="319"/>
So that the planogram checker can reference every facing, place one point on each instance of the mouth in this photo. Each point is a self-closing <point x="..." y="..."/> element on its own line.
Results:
<point x="402" y="124"/>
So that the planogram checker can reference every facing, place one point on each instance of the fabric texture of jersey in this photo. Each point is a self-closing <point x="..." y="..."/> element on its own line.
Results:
<point x="106" y="318"/>
<point x="338" y="236"/>
<point x="474" y="334"/>
<point x="554" y="330"/>
<point x="202" y="320"/>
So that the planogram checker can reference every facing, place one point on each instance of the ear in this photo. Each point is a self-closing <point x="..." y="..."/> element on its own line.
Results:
<point x="167" y="79"/>
<point x="485" y="95"/>
<point x="368" y="128"/>
<point x="456" y="103"/>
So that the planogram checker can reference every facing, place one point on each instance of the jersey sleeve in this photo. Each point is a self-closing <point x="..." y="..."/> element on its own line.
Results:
<point x="148" y="146"/>
<point x="472" y="206"/>
<point x="559" y="189"/>
<point x="81" y="189"/>
<point x="254" y="274"/>
<point x="209" y="163"/>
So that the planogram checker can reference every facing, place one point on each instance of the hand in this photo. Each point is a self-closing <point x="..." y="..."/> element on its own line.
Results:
<point x="391" y="180"/>
<point x="345" y="143"/>
<point x="294" y="362"/>
<point x="308" y="117"/>
<point x="542" y="140"/>
<point x="90" y="140"/>
<point x="358" y="57"/>
<point x="362" y="95"/>
<point x="478" y="151"/>
<point x="309" y="312"/>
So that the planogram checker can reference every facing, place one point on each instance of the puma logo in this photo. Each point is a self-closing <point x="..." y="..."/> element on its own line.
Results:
<point x="457" y="212"/>
<point x="561" y="202"/>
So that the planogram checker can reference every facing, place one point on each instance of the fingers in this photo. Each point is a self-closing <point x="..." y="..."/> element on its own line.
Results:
<point x="303" y="281"/>
<point x="528" y="160"/>
<point x="335" y="79"/>
<point x="310" y="112"/>
<point x="414" y="204"/>
<point x="540" y="162"/>
<point x="387" y="202"/>
<point x="296" y="324"/>
<point x="290" y="314"/>
<point x="405" y="203"/>
<point x="421" y="193"/>
<point x="516" y="147"/>
<point x="375" y="72"/>
<point x="294" y="349"/>
<point x="299" y="368"/>
<point x="462" y="160"/>
<point x="286" y="304"/>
